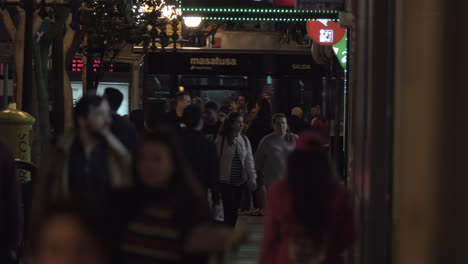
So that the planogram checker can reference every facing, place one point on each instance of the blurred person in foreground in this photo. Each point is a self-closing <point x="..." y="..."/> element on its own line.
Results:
<point x="200" y="151"/>
<point x="88" y="163"/>
<point x="237" y="166"/>
<point x="11" y="216"/>
<point x="173" y="119"/>
<point x="272" y="153"/>
<point x="211" y="121"/>
<point x="155" y="218"/>
<point x="296" y="121"/>
<point x="74" y="233"/>
<point x="123" y="129"/>
<point x="309" y="216"/>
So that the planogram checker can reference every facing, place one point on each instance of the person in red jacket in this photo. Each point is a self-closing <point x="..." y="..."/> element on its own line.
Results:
<point x="319" y="124"/>
<point x="309" y="216"/>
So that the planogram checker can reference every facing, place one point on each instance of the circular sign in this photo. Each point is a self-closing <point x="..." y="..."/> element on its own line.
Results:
<point x="324" y="32"/>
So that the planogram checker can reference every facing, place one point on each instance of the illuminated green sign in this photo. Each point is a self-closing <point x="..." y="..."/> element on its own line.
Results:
<point x="341" y="51"/>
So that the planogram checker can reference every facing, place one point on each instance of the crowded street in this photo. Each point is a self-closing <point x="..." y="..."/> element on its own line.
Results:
<point x="233" y="132"/>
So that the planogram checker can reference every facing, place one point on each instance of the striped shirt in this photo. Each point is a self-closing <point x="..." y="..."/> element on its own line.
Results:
<point x="236" y="169"/>
<point x="153" y="237"/>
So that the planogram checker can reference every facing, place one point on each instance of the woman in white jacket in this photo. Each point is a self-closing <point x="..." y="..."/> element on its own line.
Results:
<point x="237" y="168"/>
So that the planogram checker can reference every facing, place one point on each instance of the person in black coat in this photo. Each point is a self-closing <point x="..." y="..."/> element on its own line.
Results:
<point x="123" y="129"/>
<point x="296" y="121"/>
<point x="173" y="118"/>
<point x="200" y="152"/>
<point x="261" y="124"/>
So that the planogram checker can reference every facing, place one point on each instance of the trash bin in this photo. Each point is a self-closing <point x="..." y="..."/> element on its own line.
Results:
<point x="16" y="131"/>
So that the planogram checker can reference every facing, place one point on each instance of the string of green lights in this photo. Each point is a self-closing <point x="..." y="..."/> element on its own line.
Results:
<point x="255" y="10"/>
<point x="262" y="19"/>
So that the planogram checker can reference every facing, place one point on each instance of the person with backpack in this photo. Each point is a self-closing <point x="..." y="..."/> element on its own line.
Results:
<point x="237" y="168"/>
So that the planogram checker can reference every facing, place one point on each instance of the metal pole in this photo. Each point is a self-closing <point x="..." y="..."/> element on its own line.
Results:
<point x="5" y="85"/>
<point x="27" y="103"/>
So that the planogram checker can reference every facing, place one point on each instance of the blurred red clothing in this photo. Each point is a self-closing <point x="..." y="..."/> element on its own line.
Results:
<point x="323" y="127"/>
<point x="280" y="221"/>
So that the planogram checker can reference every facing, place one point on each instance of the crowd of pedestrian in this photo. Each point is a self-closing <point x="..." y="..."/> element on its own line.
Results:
<point x="119" y="191"/>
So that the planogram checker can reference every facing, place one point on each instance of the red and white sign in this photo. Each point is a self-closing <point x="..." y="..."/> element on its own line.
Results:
<point x="325" y="32"/>
<point x="285" y="3"/>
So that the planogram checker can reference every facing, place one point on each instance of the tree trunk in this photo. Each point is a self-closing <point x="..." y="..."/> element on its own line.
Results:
<point x="58" y="81"/>
<point x="17" y="37"/>
<point x="19" y="56"/>
<point x="71" y="43"/>
<point x="40" y="73"/>
<point x="41" y="51"/>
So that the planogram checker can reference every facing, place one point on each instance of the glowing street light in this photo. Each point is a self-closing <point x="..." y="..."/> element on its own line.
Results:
<point x="192" y="22"/>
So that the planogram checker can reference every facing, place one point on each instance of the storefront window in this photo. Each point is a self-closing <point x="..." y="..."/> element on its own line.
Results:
<point x="77" y="88"/>
<point x="221" y="89"/>
<point x="158" y="86"/>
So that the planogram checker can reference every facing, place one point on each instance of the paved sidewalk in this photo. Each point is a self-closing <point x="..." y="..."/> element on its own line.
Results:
<point x="248" y="253"/>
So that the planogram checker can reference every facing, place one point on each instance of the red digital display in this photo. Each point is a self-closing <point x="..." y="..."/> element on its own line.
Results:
<point x="77" y="65"/>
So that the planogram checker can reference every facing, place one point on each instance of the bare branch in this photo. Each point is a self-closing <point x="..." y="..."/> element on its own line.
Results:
<point x="10" y="26"/>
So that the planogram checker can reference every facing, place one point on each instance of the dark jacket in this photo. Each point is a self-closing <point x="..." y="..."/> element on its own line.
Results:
<point x="201" y="155"/>
<point x="125" y="131"/>
<point x="297" y="124"/>
<point x="259" y="128"/>
<point x="172" y="120"/>
<point x="11" y="217"/>
<point x="212" y="131"/>
<point x="54" y="183"/>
